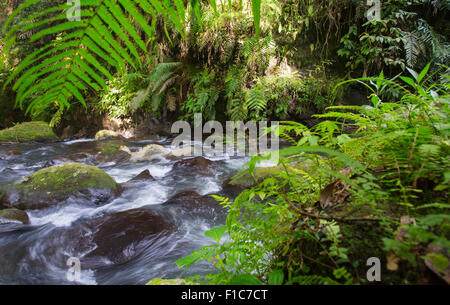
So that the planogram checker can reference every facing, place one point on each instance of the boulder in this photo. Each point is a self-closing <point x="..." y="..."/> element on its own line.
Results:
<point x="119" y="235"/>
<point x="186" y="198"/>
<point x="57" y="161"/>
<point x="143" y="176"/>
<point x="106" y="134"/>
<point x="113" y="151"/>
<point x="8" y="215"/>
<point x="191" y="200"/>
<point x="148" y="153"/>
<point x="13" y="153"/>
<point x="187" y="151"/>
<point x="245" y="180"/>
<point x="200" y="164"/>
<point x="53" y="185"/>
<point x="28" y="132"/>
<point x="170" y="282"/>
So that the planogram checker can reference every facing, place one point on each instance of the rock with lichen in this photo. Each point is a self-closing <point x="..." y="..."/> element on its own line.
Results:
<point x="28" y="132"/>
<point x="56" y="184"/>
<point x="14" y="215"/>
<point x="106" y="134"/>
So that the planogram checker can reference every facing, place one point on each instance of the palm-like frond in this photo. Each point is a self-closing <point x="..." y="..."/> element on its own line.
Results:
<point x="158" y="81"/>
<point x="83" y="52"/>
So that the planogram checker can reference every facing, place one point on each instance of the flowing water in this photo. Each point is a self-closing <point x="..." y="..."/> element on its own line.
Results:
<point x="38" y="253"/>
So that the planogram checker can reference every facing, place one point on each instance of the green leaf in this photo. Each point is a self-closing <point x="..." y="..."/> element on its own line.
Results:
<point x="276" y="277"/>
<point x="216" y="233"/>
<point x="256" y="9"/>
<point x="202" y="254"/>
<point x="245" y="279"/>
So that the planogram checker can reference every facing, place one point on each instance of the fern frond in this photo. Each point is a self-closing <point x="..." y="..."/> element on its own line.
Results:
<point x="256" y="100"/>
<point x="85" y="52"/>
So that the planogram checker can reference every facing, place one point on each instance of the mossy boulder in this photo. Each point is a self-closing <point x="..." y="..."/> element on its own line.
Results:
<point x="170" y="282"/>
<point x="28" y="132"/>
<point x="106" y="134"/>
<point x="245" y="180"/>
<point x="113" y="151"/>
<point x="8" y="215"/>
<point x="53" y="185"/>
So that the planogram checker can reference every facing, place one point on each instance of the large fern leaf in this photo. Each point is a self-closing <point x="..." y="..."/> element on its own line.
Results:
<point x="85" y="52"/>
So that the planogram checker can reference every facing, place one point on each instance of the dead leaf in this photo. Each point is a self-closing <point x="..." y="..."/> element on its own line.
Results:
<point x="392" y="261"/>
<point x="333" y="194"/>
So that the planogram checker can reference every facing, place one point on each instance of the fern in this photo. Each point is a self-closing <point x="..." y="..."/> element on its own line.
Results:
<point x="256" y="9"/>
<point x="83" y="52"/>
<point x="158" y="81"/>
<point x="256" y="100"/>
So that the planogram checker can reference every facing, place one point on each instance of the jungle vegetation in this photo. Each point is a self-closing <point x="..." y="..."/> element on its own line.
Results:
<point x="374" y="175"/>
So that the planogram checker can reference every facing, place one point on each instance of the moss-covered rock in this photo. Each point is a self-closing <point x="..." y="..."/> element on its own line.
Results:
<point x="28" y="132"/>
<point x="106" y="134"/>
<point x="244" y="179"/>
<point x="113" y="151"/>
<point x="7" y="215"/>
<point x="53" y="185"/>
<point x="170" y="282"/>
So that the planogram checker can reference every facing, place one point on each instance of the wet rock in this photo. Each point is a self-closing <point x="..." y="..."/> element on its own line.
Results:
<point x="436" y="259"/>
<point x="53" y="185"/>
<point x="190" y="199"/>
<point x="28" y="132"/>
<point x="200" y="164"/>
<point x="143" y="176"/>
<point x="113" y="151"/>
<point x="187" y="151"/>
<point x="122" y="234"/>
<point x="106" y="134"/>
<point x="7" y="215"/>
<point x="148" y="153"/>
<point x="78" y="157"/>
<point x="230" y="190"/>
<point x="13" y="153"/>
<point x="245" y="179"/>
<point x="191" y="204"/>
<point x="186" y="198"/>
<point x="170" y="282"/>
<point x="57" y="161"/>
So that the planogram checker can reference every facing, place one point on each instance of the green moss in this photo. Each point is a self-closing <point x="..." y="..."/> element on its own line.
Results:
<point x="67" y="178"/>
<point x="169" y="282"/>
<point x="109" y="149"/>
<point x="27" y="132"/>
<point x="244" y="179"/>
<point x="106" y="134"/>
<point x="15" y="214"/>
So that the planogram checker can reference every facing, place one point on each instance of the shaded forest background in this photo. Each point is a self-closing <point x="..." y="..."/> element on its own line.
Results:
<point x="224" y="71"/>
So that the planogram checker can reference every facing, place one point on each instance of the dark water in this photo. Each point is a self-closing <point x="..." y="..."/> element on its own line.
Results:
<point x="38" y="253"/>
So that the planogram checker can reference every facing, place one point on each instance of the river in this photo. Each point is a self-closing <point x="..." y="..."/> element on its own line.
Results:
<point x="38" y="253"/>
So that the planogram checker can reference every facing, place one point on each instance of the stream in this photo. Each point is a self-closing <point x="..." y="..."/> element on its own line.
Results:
<point x="111" y="241"/>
